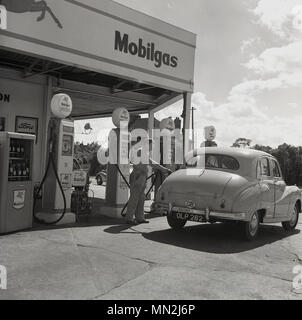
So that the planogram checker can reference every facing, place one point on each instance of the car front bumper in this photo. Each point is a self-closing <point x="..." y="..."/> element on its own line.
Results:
<point x="207" y="213"/>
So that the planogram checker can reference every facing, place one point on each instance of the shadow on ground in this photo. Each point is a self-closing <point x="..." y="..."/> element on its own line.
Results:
<point x="217" y="238"/>
<point x="117" y="225"/>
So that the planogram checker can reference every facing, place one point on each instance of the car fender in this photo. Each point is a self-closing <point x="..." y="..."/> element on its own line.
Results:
<point x="248" y="200"/>
<point x="293" y="193"/>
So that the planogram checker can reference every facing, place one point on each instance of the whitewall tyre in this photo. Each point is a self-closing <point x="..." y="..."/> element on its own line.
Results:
<point x="250" y="228"/>
<point x="292" y="223"/>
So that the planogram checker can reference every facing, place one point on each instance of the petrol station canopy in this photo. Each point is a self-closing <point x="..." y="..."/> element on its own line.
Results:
<point x="103" y="54"/>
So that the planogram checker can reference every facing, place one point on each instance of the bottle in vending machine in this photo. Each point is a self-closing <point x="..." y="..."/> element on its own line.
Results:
<point x="12" y="147"/>
<point x="10" y="169"/>
<point x="27" y="168"/>
<point x="22" y="150"/>
<point x="19" y="171"/>
<point x="24" y="171"/>
<point x="14" y="172"/>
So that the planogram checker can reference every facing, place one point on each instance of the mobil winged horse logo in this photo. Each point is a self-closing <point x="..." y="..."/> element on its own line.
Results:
<point x="21" y="6"/>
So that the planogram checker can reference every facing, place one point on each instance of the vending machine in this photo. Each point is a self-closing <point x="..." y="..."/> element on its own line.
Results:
<point x="16" y="185"/>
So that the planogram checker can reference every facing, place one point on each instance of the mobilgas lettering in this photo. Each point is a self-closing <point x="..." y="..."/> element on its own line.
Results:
<point x="4" y="97"/>
<point x="147" y="51"/>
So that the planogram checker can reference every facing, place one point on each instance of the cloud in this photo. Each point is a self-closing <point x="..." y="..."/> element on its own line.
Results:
<point x="297" y="17"/>
<point x="278" y="67"/>
<point x="242" y="117"/>
<point x="275" y="60"/>
<point x="248" y="90"/>
<point x="282" y="17"/>
<point x="248" y="44"/>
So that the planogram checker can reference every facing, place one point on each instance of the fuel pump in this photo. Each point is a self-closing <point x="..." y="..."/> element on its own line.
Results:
<point x="209" y="135"/>
<point x="118" y="173"/>
<point x="166" y="142"/>
<point x="81" y="203"/>
<point x="58" y="181"/>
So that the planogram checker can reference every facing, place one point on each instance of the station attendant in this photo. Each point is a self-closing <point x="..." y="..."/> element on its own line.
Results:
<point x="138" y="179"/>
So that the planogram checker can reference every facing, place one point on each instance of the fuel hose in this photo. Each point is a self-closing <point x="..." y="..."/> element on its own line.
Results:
<point x="50" y="163"/>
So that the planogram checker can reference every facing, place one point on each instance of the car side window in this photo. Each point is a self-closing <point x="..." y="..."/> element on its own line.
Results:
<point x="258" y="169"/>
<point x="212" y="162"/>
<point x="264" y="163"/>
<point x="275" y="169"/>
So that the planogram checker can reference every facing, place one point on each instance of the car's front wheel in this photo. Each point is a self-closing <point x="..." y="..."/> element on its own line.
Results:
<point x="292" y="223"/>
<point x="250" y="228"/>
<point x="174" y="222"/>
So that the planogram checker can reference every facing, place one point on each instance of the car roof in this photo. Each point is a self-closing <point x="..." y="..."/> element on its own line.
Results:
<point x="247" y="158"/>
<point x="236" y="152"/>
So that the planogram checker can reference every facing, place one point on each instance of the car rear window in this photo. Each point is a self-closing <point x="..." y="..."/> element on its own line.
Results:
<point x="220" y="161"/>
<point x="215" y="161"/>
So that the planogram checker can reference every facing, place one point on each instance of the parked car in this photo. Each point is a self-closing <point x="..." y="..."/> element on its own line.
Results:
<point x="230" y="184"/>
<point x="101" y="177"/>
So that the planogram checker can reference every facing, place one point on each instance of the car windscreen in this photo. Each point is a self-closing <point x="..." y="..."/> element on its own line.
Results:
<point x="214" y="161"/>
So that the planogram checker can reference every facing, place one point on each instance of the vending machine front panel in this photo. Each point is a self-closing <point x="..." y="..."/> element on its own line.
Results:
<point x="16" y="188"/>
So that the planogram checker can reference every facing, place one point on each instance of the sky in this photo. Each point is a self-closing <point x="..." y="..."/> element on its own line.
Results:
<point x="248" y="68"/>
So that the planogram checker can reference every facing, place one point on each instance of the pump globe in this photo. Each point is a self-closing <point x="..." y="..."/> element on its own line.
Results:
<point x="61" y="105"/>
<point x="102" y="155"/>
<point x="120" y="115"/>
<point x="167" y="123"/>
<point x="209" y="133"/>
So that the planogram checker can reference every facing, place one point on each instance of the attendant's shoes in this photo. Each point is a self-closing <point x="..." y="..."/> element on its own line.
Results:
<point x="131" y="222"/>
<point x="143" y="221"/>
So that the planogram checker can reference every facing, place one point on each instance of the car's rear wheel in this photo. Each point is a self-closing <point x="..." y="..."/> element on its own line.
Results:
<point x="174" y="222"/>
<point x="292" y="223"/>
<point x="250" y="229"/>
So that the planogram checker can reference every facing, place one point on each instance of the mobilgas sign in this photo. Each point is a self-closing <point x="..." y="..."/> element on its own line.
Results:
<point x="144" y="50"/>
<point x="117" y="40"/>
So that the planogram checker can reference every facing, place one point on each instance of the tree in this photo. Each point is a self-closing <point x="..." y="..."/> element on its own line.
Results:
<point x="242" y="143"/>
<point x="290" y="160"/>
<point x="266" y="149"/>
<point x="87" y="157"/>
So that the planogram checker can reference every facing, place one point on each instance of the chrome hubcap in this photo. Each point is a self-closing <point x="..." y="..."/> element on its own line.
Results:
<point x="254" y="224"/>
<point x="294" y="217"/>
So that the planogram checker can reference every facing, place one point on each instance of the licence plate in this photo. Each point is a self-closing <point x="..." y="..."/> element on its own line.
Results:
<point x="190" y="216"/>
